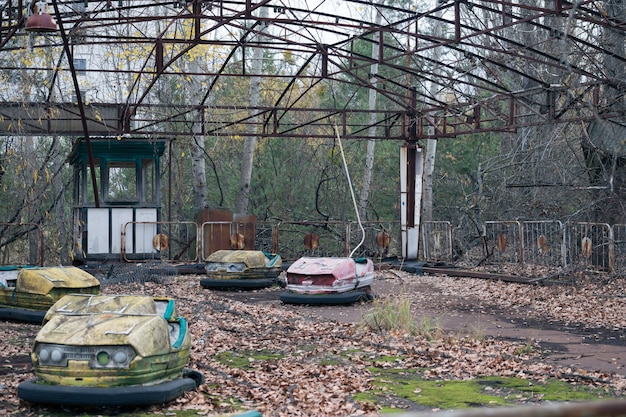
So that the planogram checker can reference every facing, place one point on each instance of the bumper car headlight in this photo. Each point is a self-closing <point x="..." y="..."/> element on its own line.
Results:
<point x="97" y="356"/>
<point x="226" y="267"/>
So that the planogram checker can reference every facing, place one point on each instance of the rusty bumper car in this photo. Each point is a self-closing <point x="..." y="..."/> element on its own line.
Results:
<point x="26" y="293"/>
<point x="241" y="270"/>
<point x="110" y="350"/>
<point x="328" y="280"/>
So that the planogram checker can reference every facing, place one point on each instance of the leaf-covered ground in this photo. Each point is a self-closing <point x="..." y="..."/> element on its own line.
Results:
<point x="285" y="361"/>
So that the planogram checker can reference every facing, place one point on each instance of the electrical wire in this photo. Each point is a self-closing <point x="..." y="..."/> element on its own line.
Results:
<point x="356" y="209"/>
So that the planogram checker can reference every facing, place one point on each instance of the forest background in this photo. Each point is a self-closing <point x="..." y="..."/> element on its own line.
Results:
<point x="539" y="173"/>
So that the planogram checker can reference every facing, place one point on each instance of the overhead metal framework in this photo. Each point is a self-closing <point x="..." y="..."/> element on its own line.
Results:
<point x="181" y="68"/>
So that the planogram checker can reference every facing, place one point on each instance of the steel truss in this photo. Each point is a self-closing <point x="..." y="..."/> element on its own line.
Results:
<point x="456" y="68"/>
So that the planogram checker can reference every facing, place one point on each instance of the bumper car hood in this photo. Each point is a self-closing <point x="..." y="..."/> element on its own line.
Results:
<point x="43" y="280"/>
<point x="252" y="258"/>
<point x="107" y="329"/>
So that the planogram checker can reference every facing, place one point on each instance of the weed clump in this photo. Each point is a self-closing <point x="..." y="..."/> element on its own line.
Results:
<point x="395" y="315"/>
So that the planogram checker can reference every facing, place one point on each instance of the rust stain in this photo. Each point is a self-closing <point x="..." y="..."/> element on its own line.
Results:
<point x="237" y="241"/>
<point x="311" y="241"/>
<point x="160" y="241"/>
<point x="586" y="247"/>
<point x="383" y="239"/>
<point x="502" y="242"/>
<point x="542" y="244"/>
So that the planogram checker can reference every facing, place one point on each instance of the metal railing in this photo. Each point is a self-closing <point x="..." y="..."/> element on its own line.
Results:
<point x="544" y="243"/>
<point x="436" y="241"/>
<point x="164" y="241"/>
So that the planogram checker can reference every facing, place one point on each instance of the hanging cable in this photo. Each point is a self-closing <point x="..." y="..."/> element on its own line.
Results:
<point x="356" y="209"/>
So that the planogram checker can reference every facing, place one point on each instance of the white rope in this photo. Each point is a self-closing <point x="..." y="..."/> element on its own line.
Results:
<point x="356" y="209"/>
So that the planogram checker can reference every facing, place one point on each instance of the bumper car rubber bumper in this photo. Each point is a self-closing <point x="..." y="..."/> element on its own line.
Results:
<point x="124" y="396"/>
<point x="239" y="284"/>
<point x="21" y="314"/>
<point x="289" y="297"/>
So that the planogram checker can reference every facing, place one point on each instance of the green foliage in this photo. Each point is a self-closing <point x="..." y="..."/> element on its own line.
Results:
<point x="461" y="169"/>
<point x="32" y="182"/>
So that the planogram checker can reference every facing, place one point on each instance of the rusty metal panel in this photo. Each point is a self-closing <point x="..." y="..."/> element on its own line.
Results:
<point x="215" y="230"/>
<point x="46" y="119"/>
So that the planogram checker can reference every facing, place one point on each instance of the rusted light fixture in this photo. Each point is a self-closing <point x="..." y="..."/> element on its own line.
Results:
<point x="40" y="20"/>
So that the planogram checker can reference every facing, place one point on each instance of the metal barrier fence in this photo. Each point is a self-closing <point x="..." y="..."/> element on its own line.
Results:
<point x="553" y="244"/>
<point x="436" y="242"/>
<point x="502" y="242"/>
<point x="619" y="247"/>
<point x="164" y="241"/>
<point x="546" y="243"/>
<point x="228" y="235"/>
<point x="590" y="246"/>
<point x="291" y="240"/>
<point x="297" y="239"/>
<point x="543" y="243"/>
<point x="376" y="240"/>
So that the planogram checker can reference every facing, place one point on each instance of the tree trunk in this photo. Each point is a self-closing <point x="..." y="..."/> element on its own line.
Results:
<point x="198" y="168"/>
<point x="198" y="151"/>
<point x="247" y="157"/>
<point x="431" y="149"/>
<point x="371" y="143"/>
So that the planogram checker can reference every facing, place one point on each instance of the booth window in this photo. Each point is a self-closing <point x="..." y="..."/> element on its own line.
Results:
<point x="149" y="180"/>
<point x="88" y="183"/>
<point x="122" y="181"/>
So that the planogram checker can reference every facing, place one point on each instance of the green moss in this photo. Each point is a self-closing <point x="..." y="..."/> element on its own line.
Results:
<point x="439" y="394"/>
<point x="389" y="359"/>
<point x="395" y="388"/>
<point x="551" y="390"/>
<point x="244" y="359"/>
<point x="330" y="361"/>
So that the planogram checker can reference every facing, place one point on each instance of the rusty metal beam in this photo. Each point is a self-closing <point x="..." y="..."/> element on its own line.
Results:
<point x="457" y="272"/>
<point x="479" y="59"/>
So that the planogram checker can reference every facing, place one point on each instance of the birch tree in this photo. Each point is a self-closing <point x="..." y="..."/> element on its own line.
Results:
<point x="247" y="156"/>
<point x="371" y="143"/>
<point x="431" y="148"/>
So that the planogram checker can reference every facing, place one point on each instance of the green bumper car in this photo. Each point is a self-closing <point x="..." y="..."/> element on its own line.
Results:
<point x="26" y="293"/>
<point x="111" y="350"/>
<point x="241" y="270"/>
